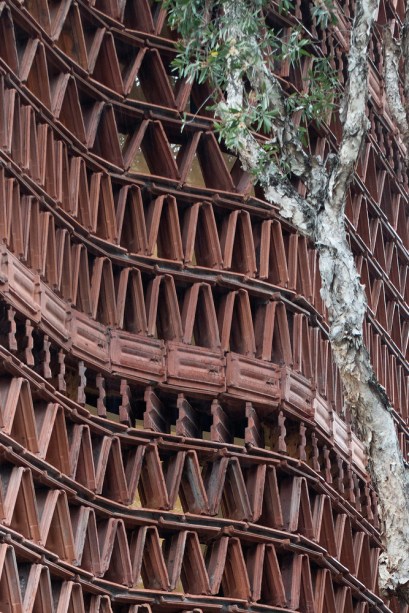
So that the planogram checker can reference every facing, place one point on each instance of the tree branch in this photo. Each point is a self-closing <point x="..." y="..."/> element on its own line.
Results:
<point x="277" y="187"/>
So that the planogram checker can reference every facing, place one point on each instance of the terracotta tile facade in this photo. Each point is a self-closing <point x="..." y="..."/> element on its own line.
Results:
<point x="171" y="428"/>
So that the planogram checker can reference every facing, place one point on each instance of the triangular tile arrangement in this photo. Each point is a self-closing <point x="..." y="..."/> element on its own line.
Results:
<point x="171" y="428"/>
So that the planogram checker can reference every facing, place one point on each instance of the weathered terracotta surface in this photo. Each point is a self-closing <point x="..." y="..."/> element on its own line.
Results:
<point x="171" y="426"/>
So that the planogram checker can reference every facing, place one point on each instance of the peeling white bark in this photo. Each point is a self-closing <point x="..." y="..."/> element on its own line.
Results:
<point x="392" y="54"/>
<point x="321" y="217"/>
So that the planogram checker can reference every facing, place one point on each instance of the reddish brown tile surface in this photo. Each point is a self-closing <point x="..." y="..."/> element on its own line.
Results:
<point x="171" y="427"/>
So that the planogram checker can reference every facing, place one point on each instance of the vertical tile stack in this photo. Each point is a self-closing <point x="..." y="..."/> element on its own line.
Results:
<point x="171" y="428"/>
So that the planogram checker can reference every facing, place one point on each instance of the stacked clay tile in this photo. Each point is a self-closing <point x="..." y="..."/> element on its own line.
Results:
<point x="171" y="429"/>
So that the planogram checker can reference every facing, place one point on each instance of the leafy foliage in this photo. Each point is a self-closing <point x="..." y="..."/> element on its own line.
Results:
<point x="207" y="46"/>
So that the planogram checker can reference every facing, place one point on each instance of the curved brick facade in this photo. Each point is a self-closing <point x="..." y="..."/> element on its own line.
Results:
<point x="171" y="436"/>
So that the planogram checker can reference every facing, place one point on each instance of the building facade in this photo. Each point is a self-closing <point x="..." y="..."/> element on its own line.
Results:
<point x="172" y="437"/>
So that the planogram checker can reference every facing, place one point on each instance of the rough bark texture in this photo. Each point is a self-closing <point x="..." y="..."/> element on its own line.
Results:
<point x="399" y="111"/>
<point x="321" y="217"/>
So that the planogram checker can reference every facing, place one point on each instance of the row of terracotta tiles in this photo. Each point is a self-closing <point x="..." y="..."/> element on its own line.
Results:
<point x="202" y="233"/>
<point x="103" y="217"/>
<point x="370" y="229"/>
<point x="54" y="415"/>
<point x="164" y="78"/>
<point x="84" y="455"/>
<point x="30" y="582"/>
<point x="223" y="181"/>
<point x="39" y="507"/>
<point x="90" y="284"/>
<point x="44" y="517"/>
<point x="174" y="364"/>
<point x="199" y="232"/>
<point x="207" y="322"/>
<point x="134" y="553"/>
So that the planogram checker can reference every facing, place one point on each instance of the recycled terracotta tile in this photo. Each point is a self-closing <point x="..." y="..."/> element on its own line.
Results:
<point x="20" y="503"/>
<point x="103" y="295"/>
<point x="29" y="160"/>
<point x="186" y="155"/>
<point x="199" y="317"/>
<point x="38" y="594"/>
<point x="89" y="336"/>
<point x="188" y="421"/>
<point x="115" y="559"/>
<point x="157" y="152"/>
<point x="53" y="438"/>
<point x="221" y="428"/>
<point x="8" y="49"/>
<point x="155" y="416"/>
<point x="163" y="229"/>
<point x="272" y="514"/>
<point x="81" y="457"/>
<point x="102" y="208"/>
<point x="253" y="434"/>
<point x="235" y="581"/>
<point x="296" y="507"/>
<point x="212" y="163"/>
<point x="55" y="316"/>
<point x="14" y="132"/>
<point x="152" y="486"/>
<point x="78" y="204"/>
<point x="144" y="17"/>
<point x="214" y="476"/>
<point x="31" y="222"/>
<point x="65" y="105"/>
<point x="235" y="502"/>
<point x="110" y="479"/>
<point x="33" y="71"/>
<point x="237" y="243"/>
<point x="130" y="220"/>
<point x="273" y="259"/>
<point x="71" y="39"/>
<point x="324" y="524"/>
<point x="10" y="592"/>
<point x="87" y="552"/>
<point x="154" y="80"/>
<point x="104" y="140"/>
<point x="18" y="418"/>
<point x="255" y="480"/>
<point x="71" y="598"/>
<point x="130" y="56"/>
<point x="147" y="559"/>
<point x="236" y="323"/>
<point x="106" y="68"/>
<point x="259" y="379"/>
<point x="185" y="563"/>
<point x="343" y="600"/>
<point x="265" y="576"/>
<point x="324" y="592"/>
<point x="55" y="524"/>
<point x="14" y="217"/>
<point x="296" y="391"/>
<point x="298" y="584"/>
<point x="139" y="358"/>
<point x="345" y="546"/>
<point x="100" y="604"/>
<point x="162" y="309"/>
<point x="192" y="491"/>
<point x="200" y="237"/>
<point x="190" y="366"/>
